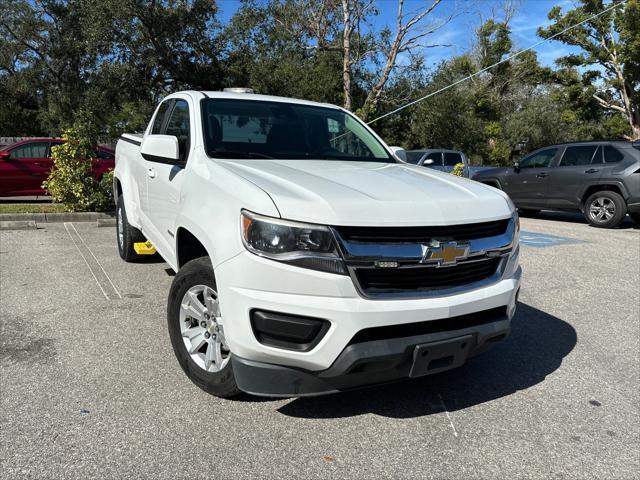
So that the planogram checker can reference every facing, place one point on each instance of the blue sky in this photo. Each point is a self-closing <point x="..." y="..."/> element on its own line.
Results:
<point x="459" y="33"/>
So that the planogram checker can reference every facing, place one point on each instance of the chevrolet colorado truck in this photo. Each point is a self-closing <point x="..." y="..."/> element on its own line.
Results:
<point x="309" y="258"/>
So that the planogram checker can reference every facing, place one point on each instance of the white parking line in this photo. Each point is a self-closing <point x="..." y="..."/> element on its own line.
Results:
<point x="446" y="411"/>
<point x="107" y="287"/>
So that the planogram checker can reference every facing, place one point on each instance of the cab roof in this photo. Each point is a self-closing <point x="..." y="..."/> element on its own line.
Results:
<point x="253" y="96"/>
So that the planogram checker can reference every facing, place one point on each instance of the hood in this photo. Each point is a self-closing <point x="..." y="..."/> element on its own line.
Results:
<point x="370" y="194"/>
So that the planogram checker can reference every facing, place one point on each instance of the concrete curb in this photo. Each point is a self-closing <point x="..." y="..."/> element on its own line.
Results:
<point x="18" y="224"/>
<point x="106" y="222"/>
<point x="56" y="217"/>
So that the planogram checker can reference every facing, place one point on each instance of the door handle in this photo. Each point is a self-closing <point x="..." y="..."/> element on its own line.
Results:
<point x="592" y="170"/>
<point x="542" y="175"/>
<point x="151" y="172"/>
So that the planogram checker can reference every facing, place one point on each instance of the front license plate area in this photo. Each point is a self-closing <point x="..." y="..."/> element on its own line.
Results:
<point x="439" y="356"/>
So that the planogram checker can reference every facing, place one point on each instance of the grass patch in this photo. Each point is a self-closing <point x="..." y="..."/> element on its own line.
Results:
<point x="31" y="208"/>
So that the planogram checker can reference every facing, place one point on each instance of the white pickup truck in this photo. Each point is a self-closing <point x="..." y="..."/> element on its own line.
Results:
<point x="309" y="258"/>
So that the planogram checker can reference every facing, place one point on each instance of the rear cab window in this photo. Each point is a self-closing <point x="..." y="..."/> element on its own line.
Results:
<point x="161" y="115"/>
<point x="179" y="126"/>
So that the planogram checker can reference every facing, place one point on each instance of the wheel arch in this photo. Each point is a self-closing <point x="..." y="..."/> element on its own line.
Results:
<point x="598" y="187"/>
<point x="188" y="247"/>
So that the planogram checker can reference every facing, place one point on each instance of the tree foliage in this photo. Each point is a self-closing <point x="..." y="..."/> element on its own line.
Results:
<point x="119" y="58"/>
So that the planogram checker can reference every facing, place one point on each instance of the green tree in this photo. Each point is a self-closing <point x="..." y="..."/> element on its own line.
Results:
<point x="610" y="42"/>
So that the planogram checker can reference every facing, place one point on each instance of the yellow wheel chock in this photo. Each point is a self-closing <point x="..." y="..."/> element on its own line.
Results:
<point x="144" y="248"/>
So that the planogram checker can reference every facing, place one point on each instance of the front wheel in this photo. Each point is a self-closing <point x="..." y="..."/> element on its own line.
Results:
<point x="196" y="329"/>
<point x="605" y="209"/>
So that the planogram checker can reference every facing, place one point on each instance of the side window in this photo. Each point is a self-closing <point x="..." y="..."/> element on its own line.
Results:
<point x="104" y="155"/>
<point x="179" y="126"/>
<point x="541" y="159"/>
<point x="158" y="121"/>
<point x="31" y="150"/>
<point x="579" y="155"/>
<point x="612" y="154"/>
<point x="436" y="157"/>
<point x="414" y="157"/>
<point x="451" y="159"/>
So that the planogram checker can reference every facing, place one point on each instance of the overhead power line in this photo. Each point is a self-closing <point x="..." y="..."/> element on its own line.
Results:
<point x="469" y="77"/>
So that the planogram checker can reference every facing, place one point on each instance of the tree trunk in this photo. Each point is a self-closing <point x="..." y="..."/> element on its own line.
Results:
<point x="346" y="54"/>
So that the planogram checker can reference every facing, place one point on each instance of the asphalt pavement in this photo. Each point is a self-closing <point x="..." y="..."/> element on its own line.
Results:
<point x="89" y="386"/>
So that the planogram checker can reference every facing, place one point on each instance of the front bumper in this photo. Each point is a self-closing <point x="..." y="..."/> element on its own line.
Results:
<point x="248" y="282"/>
<point x="371" y="363"/>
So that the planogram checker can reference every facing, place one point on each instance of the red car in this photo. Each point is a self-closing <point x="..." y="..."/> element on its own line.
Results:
<point x="26" y="164"/>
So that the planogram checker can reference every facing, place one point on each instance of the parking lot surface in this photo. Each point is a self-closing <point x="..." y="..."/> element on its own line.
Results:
<point x="90" y="386"/>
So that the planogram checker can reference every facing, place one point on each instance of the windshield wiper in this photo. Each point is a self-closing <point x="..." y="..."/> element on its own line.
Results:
<point x="238" y="154"/>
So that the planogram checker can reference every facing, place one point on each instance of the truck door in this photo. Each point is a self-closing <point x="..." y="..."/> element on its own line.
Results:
<point x="579" y="165"/>
<point x="164" y="181"/>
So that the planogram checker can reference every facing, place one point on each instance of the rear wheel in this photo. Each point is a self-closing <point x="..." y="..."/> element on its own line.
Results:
<point x="196" y="329"/>
<point x="126" y="234"/>
<point x="605" y="209"/>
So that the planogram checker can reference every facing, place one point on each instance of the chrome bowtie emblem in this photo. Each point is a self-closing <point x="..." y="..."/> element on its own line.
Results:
<point x="444" y="253"/>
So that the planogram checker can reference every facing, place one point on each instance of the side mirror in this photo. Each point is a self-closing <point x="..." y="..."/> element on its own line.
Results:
<point x="399" y="152"/>
<point x="5" y="155"/>
<point x="161" y="149"/>
<point x="427" y="162"/>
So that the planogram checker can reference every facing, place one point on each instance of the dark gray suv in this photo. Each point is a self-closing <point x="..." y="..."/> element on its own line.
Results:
<point x="599" y="178"/>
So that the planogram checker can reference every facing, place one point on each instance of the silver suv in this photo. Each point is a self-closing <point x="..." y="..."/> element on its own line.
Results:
<point x="599" y="178"/>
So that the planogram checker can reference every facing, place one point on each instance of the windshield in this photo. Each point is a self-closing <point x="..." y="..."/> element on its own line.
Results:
<point x="278" y="130"/>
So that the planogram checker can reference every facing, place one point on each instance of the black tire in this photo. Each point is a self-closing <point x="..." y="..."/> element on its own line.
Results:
<point x="126" y="235"/>
<point x="605" y="209"/>
<point x="528" y="212"/>
<point x="635" y="217"/>
<point x="221" y="383"/>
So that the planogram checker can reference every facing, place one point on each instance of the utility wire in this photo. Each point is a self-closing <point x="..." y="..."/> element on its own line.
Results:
<point x="551" y="37"/>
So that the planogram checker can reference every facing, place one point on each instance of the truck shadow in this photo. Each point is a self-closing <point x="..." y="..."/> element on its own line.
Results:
<point x="536" y="347"/>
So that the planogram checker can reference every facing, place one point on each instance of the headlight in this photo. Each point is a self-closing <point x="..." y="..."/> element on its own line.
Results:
<point x="301" y="244"/>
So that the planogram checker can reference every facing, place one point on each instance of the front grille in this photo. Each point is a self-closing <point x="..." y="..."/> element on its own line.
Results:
<point x="468" y="231"/>
<point x="424" y="278"/>
<point x="430" y="326"/>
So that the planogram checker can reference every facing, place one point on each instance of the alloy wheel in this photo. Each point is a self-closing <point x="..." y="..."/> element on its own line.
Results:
<point x="602" y="209"/>
<point x="202" y="329"/>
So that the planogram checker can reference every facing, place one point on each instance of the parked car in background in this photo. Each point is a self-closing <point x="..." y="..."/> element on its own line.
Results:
<point x="438" y="159"/>
<point x="599" y="178"/>
<point x="26" y="164"/>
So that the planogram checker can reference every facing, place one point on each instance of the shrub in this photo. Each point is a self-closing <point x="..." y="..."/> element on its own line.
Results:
<point x="458" y="169"/>
<point x="71" y="181"/>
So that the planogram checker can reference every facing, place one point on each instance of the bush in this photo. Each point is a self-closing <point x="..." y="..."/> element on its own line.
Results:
<point x="71" y="181"/>
<point x="458" y="169"/>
